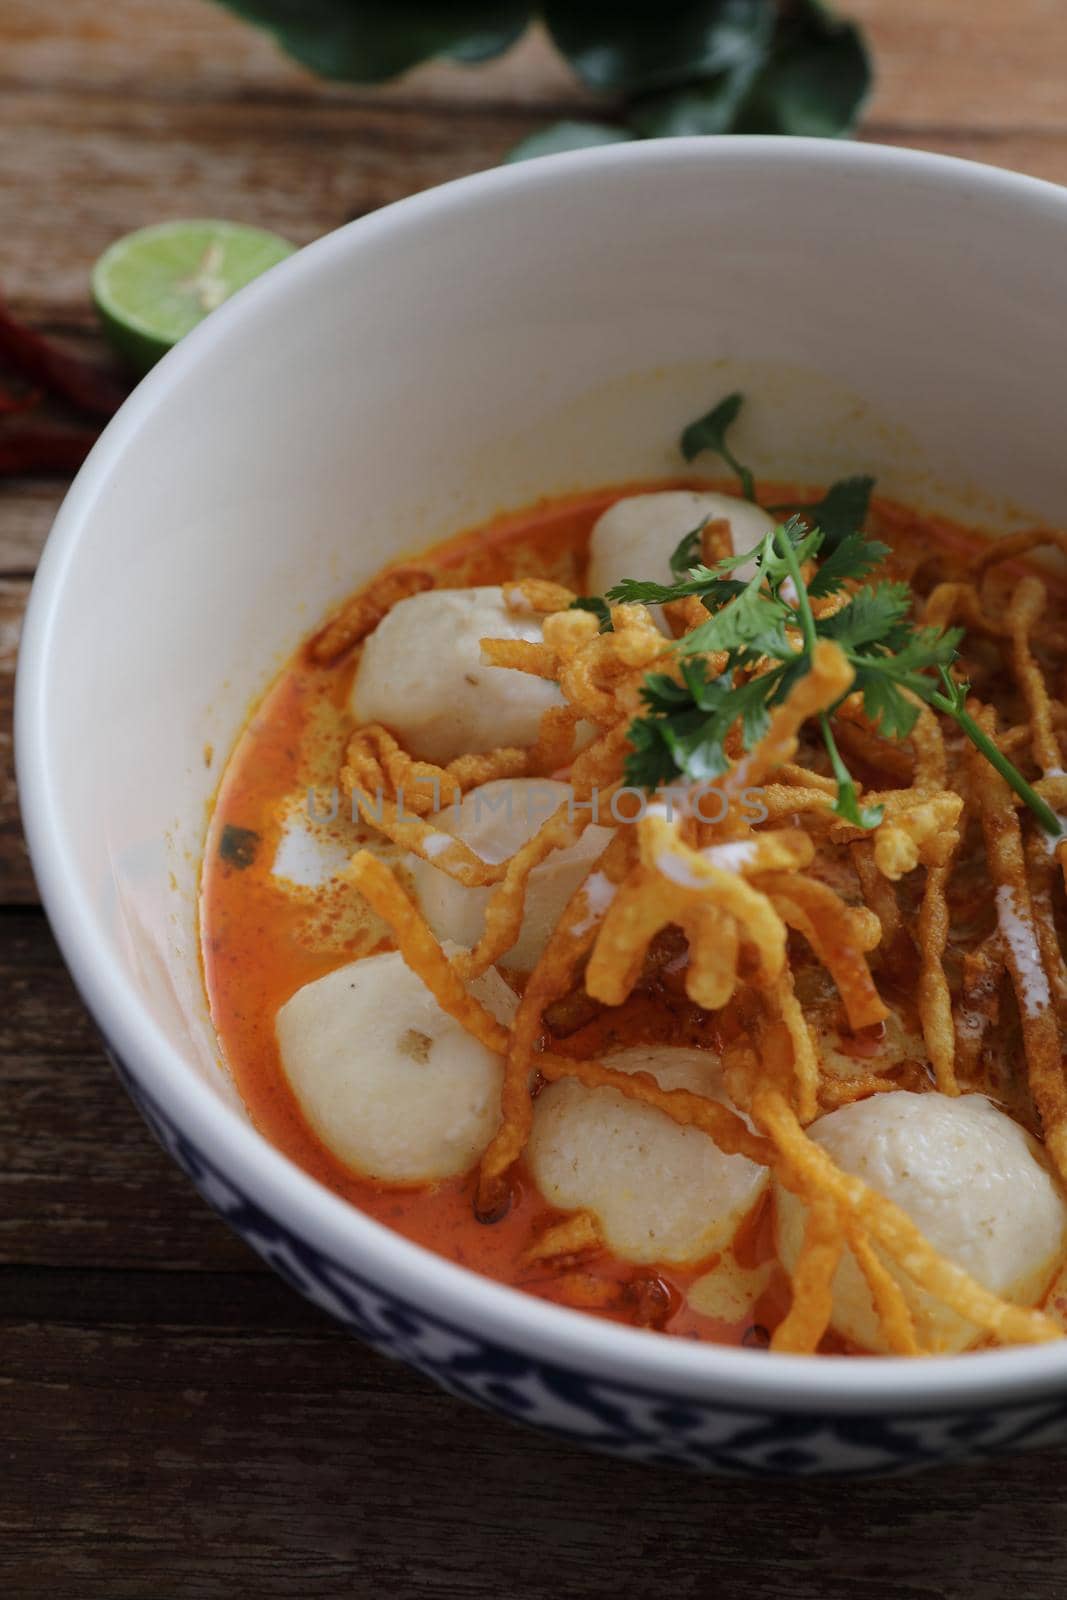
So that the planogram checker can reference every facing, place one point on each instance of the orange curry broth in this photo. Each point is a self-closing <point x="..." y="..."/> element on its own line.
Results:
<point x="260" y="944"/>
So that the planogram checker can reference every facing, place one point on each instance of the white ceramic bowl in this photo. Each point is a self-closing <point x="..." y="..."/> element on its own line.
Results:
<point x="532" y="329"/>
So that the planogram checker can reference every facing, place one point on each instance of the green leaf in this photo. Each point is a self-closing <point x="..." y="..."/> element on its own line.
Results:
<point x="869" y="616"/>
<point x="650" y="763"/>
<point x="696" y="742"/>
<point x="752" y="620"/>
<point x="366" y="41"/>
<point x="817" y="79"/>
<point x="888" y="710"/>
<point x="641" y="591"/>
<point x="684" y="734"/>
<point x="842" y="510"/>
<point x="562" y="136"/>
<point x="853" y="557"/>
<point x="752" y="702"/>
<point x="488" y="43"/>
<point x="631" y="47"/>
<point x="848" y="808"/>
<point x="709" y="433"/>
<point x="700" y="109"/>
<point x="663" y="695"/>
<point x="687" y="552"/>
<point x="598" y="607"/>
<point x="804" y="543"/>
<point x="847" y="804"/>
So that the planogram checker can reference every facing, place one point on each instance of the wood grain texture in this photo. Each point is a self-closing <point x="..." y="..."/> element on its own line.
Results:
<point x="16" y="875"/>
<point x="175" y="1422"/>
<point x="81" y="1182"/>
<point x="283" y="1463"/>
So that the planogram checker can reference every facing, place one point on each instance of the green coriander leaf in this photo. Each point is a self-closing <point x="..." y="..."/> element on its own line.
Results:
<point x="843" y="509"/>
<point x="917" y="649"/>
<point x="663" y="695"/>
<point x="848" y="808"/>
<point x="598" y="607"/>
<point x="775" y="562"/>
<point x="753" y="702"/>
<point x="712" y="580"/>
<point x="650" y="762"/>
<point x="631" y="591"/>
<point x="684" y="735"/>
<point x="847" y="804"/>
<point x="869" y="616"/>
<point x="709" y="433"/>
<point x="687" y="552"/>
<point x="884" y="702"/>
<point x="852" y="557"/>
<point x="696" y="740"/>
<point x="753" y="619"/>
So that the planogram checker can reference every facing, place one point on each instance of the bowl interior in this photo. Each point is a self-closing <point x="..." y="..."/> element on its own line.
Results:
<point x="529" y="332"/>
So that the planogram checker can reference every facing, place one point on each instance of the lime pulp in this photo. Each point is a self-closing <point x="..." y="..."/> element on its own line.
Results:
<point x="150" y="288"/>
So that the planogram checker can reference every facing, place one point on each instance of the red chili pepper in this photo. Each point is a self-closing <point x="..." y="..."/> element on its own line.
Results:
<point x="44" y="449"/>
<point x="66" y="377"/>
<point x="12" y="404"/>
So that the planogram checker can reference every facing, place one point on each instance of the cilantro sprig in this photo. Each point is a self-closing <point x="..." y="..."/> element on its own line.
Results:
<point x="841" y="511"/>
<point x="709" y="433"/>
<point x="767" y="629"/>
<point x="769" y="632"/>
<point x="953" y="702"/>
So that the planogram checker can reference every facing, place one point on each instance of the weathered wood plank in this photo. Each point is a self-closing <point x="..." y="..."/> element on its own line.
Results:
<point x="89" y="169"/>
<point x="983" y="66"/>
<point x="82" y="1181"/>
<point x="224" y="1330"/>
<point x="300" y="1466"/>
<point x="93" y="169"/>
<point x="16" y="876"/>
<point x="27" y="511"/>
<point x="194" y="49"/>
<point x="1040" y="155"/>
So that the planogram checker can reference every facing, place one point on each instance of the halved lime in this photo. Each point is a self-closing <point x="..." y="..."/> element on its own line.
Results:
<point x="151" y="287"/>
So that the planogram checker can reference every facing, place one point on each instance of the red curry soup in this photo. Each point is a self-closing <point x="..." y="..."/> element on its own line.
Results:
<point x="654" y="901"/>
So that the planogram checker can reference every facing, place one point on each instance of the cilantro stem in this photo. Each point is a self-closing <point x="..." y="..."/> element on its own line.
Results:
<point x="748" y="481"/>
<point x="996" y="758"/>
<point x="847" y="804"/>
<point x="784" y="545"/>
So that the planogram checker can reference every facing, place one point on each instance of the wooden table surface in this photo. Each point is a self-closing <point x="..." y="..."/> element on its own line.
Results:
<point x="175" y="1421"/>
